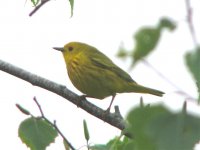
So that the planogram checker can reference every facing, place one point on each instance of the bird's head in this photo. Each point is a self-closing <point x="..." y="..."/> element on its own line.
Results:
<point x="71" y="50"/>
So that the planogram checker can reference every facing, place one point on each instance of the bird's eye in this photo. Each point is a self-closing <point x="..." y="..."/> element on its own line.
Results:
<point x="70" y="48"/>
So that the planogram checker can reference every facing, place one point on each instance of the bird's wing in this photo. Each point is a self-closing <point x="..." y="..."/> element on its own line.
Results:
<point x="104" y="62"/>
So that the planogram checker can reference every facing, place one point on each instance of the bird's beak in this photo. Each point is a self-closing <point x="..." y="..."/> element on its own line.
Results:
<point x="59" y="48"/>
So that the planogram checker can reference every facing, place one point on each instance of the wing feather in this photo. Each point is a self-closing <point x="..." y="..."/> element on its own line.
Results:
<point x="101" y="60"/>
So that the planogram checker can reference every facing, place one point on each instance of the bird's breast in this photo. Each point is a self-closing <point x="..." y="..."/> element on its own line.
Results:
<point x="88" y="79"/>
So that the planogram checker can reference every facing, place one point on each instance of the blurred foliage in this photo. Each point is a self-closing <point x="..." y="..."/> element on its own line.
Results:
<point x="113" y="144"/>
<point x="36" y="133"/>
<point x="72" y="6"/>
<point x="198" y="86"/>
<point x="66" y="145"/>
<point x="157" y="128"/>
<point x="192" y="59"/>
<point x="146" y="40"/>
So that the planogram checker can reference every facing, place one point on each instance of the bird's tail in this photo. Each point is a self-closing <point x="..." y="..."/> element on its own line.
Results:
<point x="146" y="90"/>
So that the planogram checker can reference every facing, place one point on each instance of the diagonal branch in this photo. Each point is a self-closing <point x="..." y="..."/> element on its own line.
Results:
<point x="38" y="7"/>
<point x="180" y="91"/>
<point x="113" y="119"/>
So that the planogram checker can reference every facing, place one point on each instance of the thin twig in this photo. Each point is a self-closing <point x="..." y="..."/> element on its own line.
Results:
<point x="38" y="7"/>
<point x="39" y="107"/>
<point x="52" y="124"/>
<point x="61" y="134"/>
<point x="180" y="91"/>
<point x="61" y="90"/>
<point x="190" y="21"/>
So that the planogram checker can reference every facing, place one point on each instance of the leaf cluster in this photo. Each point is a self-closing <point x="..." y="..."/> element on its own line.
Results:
<point x="157" y="128"/>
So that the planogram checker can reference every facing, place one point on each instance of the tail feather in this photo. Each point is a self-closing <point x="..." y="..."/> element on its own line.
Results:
<point x="142" y="89"/>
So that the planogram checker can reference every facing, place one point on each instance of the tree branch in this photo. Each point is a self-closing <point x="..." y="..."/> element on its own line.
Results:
<point x="38" y="7"/>
<point x="111" y="118"/>
<point x="190" y="21"/>
<point x="179" y="90"/>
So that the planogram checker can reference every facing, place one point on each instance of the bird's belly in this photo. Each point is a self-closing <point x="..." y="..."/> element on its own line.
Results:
<point x="92" y="83"/>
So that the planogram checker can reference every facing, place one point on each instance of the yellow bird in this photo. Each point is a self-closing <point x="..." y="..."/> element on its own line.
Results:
<point x="95" y="75"/>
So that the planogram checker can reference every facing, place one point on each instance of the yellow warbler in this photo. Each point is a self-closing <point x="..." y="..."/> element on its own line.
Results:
<point x="95" y="75"/>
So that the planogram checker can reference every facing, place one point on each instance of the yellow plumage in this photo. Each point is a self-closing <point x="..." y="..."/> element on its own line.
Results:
<point x="95" y="75"/>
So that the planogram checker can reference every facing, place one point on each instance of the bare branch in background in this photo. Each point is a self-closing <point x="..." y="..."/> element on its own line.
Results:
<point x="38" y="7"/>
<point x="190" y="21"/>
<point x="179" y="90"/>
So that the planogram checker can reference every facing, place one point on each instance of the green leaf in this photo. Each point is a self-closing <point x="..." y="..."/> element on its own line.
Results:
<point x="86" y="132"/>
<point x="117" y="144"/>
<point x="99" y="147"/>
<point x="146" y="40"/>
<point x="167" y="23"/>
<point x="122" y="52"/>
<point x="23" y="110"/>
<point x="72" y="6"/>
<point x="193" y="63"/>
<point x="156" y="128"/>
<point x="139" y="119"/>
<point x="175" y="131"/>
<point x="35" y="2"/>
<point x="36" y="133"/>
<point x="113" y="144"/>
